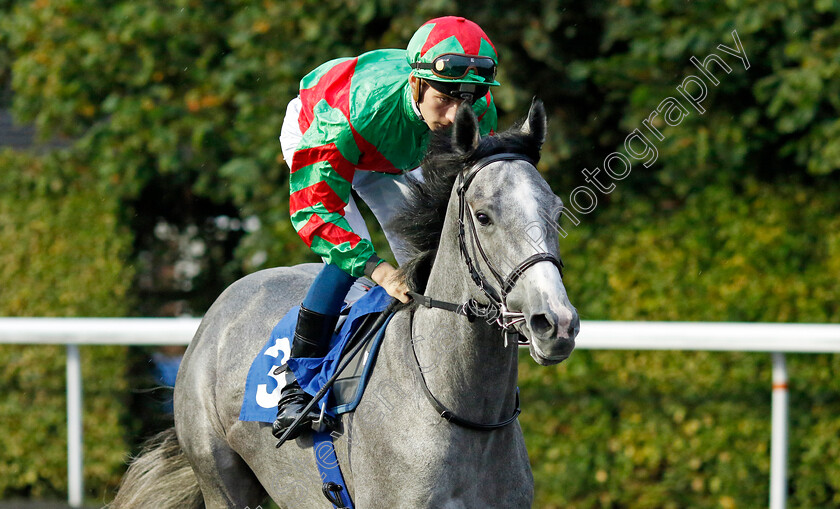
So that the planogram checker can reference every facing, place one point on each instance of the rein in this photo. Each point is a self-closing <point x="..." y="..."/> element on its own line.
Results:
<point x="444" y="412"/>
<point x="503" y="318"/>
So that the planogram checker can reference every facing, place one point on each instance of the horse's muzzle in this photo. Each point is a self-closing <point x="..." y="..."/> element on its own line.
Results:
<point x="553" y="335"/>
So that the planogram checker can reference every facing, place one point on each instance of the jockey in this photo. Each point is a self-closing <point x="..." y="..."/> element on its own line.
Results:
<point x="362" y="123"/>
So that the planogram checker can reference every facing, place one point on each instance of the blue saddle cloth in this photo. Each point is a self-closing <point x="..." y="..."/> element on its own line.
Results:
<point x="262" y="386"/>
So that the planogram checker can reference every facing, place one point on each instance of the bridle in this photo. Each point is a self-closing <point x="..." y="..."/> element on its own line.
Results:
<point x="496" y="307"/>
<point x="505" y="319"/>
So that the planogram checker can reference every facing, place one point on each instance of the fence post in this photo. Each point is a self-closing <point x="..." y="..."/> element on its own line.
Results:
<point x="779" y="441"/>
<point x="75" y="481"/>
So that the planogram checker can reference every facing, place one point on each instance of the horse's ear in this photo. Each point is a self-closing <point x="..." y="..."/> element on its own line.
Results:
<point x="535" y="124"/>
<point x="465" y="136"/>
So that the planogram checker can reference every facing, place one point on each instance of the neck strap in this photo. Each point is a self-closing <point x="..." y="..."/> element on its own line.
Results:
<point x="444" y="412"/>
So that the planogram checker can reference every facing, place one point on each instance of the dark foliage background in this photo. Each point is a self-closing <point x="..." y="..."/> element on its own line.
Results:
<point x="169" y="184"/>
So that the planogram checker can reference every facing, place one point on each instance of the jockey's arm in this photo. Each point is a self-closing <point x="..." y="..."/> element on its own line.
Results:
<point x="320" y="188"/>
<point x="322" y="170"/>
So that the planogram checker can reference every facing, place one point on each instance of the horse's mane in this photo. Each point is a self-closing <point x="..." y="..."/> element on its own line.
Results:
<point x="420" y="222"/>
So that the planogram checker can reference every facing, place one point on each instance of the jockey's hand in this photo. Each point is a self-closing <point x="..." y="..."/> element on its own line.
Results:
<point x="386" y="276"/>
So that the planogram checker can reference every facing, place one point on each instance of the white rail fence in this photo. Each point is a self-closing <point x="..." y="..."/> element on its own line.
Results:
<point x="773" y="338"/>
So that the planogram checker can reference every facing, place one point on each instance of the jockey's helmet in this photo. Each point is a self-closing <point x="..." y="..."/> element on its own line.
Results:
<point x="455" y="56"/>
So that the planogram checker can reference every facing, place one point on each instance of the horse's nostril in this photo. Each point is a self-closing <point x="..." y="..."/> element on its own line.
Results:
<point x="573" y="326"/>
<point x="541" y="325"/>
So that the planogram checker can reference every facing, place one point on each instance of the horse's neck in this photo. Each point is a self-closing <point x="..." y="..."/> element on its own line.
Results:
<point x="468" y="367"/>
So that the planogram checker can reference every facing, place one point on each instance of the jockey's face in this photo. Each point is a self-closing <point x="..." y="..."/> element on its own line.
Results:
<point x="438" y="109"/>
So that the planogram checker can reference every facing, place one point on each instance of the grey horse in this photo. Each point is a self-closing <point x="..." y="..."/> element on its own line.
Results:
<point x="395" y="450"/>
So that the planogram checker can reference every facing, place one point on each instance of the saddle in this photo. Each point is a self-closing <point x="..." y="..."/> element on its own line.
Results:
<point x="351" y="382"/>
<point x="267" y="375"/>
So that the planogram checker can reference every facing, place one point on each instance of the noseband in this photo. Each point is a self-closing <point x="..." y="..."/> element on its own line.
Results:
<point x="496" y="308"/>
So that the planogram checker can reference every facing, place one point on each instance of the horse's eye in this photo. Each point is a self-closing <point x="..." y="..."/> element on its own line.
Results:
<point x="482" y="218"/>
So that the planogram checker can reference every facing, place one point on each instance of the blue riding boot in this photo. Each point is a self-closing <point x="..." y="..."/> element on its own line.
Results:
<point x="312" y="338"/>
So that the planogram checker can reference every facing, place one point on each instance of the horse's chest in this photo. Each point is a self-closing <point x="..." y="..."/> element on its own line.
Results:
<point x="404" y="455"/>
<point x="440" y="466"/>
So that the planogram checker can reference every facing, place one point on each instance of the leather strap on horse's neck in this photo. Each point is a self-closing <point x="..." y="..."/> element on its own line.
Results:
<point x="444" y="412"/>
<point x="467" y="309"/>
<point x="429" y="302"/>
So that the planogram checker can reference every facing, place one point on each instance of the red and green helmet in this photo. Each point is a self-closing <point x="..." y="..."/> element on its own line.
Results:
<point x="453" y="52"/>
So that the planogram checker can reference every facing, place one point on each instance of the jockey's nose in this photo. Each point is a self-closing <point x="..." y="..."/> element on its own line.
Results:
<point x="450" y="112"/>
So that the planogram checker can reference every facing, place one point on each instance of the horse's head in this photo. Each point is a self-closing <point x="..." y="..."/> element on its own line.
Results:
<point x="510" y="234"/>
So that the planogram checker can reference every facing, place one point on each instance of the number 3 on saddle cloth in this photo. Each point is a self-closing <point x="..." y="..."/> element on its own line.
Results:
<point x="267" y="375"/>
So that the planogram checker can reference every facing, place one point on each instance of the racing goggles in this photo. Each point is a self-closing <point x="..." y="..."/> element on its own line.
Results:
<point x="454" y="66"/>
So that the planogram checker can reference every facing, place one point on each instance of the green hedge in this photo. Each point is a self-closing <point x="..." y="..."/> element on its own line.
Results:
<point x="677" y="429"/>
<point x="754" y="251"/>
<point x="737" y="220"/>
<point x="692" y="429"/>
<point x="63" y="255"/>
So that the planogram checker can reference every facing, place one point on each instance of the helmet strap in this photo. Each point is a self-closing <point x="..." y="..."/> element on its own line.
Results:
<point x="416" y="92"/>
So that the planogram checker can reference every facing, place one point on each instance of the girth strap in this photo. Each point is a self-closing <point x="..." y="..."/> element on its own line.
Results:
<point x="333" y="487"/>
